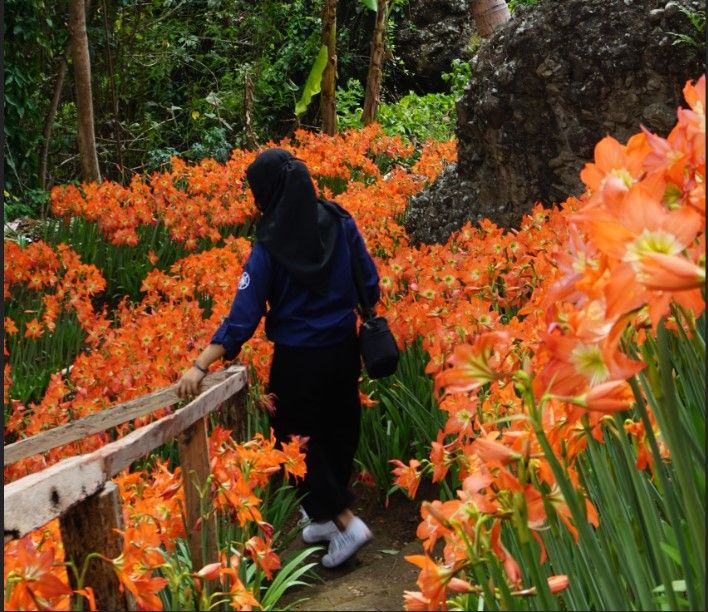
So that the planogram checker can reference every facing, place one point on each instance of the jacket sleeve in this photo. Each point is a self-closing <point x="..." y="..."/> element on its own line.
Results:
<point x="249" y="304"/>
<point x="368" y="268"/>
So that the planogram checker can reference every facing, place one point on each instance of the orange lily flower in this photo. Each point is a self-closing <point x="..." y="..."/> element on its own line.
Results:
<point x="407" y="476"/>
<point x="433" y="580"/>
<point x="474" y="365"/>
<point x="263" y="555"/>
<point x="670" y="272"/>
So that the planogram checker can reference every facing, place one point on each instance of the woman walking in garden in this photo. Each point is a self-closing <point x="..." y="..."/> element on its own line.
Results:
<point x="300" y="266"/>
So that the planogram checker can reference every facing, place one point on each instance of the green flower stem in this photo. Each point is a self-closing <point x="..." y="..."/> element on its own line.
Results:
<point x="667" y="489"/>
<point x="610" y="589"/>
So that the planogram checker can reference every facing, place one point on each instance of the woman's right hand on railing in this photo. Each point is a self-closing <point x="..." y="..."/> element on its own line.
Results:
<point x="192" y="378"/>
<point x="188" y="385"/>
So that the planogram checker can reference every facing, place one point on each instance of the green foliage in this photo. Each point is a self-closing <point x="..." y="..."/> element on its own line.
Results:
<point x="33" y="39"/>
<point x="458" y="77"/>
<point x="182" y="592"/>
<point x="124" y="267"/>
<point x="697" y="39"/>
<point x="514" y="4"/>
<point x="31" y="203"/>
<point x="213" y="145"/>
<point x="349" y="105"/>
<point x="420" y="118"/>
<point x="414" y="117"/>
<point x="32" y="361"/>
<point x="403" y="422"/>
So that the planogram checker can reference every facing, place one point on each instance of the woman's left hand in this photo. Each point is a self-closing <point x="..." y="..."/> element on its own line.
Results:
<point x="190" y="382"/>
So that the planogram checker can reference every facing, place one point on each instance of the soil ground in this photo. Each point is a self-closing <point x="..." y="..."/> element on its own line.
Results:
<point x="376" y="578"/>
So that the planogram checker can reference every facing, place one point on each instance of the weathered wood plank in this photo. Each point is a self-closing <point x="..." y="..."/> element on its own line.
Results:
<point x="34" y="500"/>
<point x="140" y="442"/>
<point x="200" y="523"/>
<point x="90" y="527"/>
<point x="100" y="421"/>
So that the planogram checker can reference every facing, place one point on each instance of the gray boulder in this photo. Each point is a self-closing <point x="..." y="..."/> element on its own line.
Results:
<point x="545" y="88"/>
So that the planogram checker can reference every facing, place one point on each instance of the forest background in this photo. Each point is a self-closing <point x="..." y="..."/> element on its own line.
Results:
<point x="178" y="77"/>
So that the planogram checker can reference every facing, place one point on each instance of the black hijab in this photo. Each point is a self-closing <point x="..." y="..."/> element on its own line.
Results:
<point x="299" y="230"/>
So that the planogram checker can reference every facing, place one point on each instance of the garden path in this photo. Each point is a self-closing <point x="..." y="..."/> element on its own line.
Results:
<point x="377" y="577"/>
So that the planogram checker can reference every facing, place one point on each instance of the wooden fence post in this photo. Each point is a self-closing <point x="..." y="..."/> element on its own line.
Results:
<point x="194" y="459"/>
<point x="233" y="415"/>
<point x="89" y="526"/>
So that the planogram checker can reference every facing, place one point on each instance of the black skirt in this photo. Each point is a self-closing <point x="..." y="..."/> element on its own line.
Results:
<point x="317" y="395"/>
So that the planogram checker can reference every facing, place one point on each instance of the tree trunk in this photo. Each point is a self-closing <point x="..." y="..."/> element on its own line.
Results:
<point x="52" y="111"/>
<point x="373" y="80"/>
<point x="489" y="15"/>
<point x="49" y="124"/>
<point x="84" y="97"/>
<point x="251" y="142"/>
<point x="328" y="107"/>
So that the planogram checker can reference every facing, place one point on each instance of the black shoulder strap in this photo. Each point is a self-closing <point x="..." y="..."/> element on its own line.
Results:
<point x="367" y="311"/>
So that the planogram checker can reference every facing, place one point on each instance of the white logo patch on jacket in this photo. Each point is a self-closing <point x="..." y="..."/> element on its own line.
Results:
<point x="245" y="281"/>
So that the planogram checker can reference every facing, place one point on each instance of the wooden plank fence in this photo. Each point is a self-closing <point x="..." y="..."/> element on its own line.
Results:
<point x="79" y="491"/>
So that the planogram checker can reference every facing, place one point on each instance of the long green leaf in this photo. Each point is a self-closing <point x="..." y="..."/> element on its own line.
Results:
<point x="288" y="577"/>
<point x="314" y="81"/>
<point x="370" y="4"/>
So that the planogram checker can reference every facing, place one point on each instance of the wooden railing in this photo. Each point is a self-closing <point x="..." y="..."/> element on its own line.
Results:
<point x="79" y="491"/>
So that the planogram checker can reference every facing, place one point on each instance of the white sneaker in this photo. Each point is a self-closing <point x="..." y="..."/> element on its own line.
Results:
<point x="319" y="532"/>
<point x="345" y="543"/>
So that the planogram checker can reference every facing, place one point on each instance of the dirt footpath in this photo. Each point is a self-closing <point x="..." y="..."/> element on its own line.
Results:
<point x="377" y="577"/>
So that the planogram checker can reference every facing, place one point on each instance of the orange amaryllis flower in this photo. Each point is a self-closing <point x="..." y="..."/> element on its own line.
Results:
<point x="415" y="601"/>
<point x="614" y="161"/>
<point x="407" y="476"/>
<point x="555" y="583"/>
<point x="244" y="502"/>
<point x="33" y="329"/>
<point x="144" y="590"/>
<point x="558" y="583"/>
<point x="436" y="520"/>
<point x="293" y="457"/>
<point x="440" y="457"/>
<point x="511" y="566"/>
<point x="612" y="396"/>
<point x="433" y="580"/>
<point x="36" y="586"/>
<point x="263" y="555"/>
<point x="489" y="450"/>
<point x="474" y="365"/>
<point x="242" y="598"/>
<point x="210" y="571"/>
<point x="10" y="327"/>
<point x="88" y="593"/>
<point x="662" y="272"/>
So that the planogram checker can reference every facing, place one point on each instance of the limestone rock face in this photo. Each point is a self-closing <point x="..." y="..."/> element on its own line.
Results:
<point x="545" y="88"/>
<point x="431" y="34"/>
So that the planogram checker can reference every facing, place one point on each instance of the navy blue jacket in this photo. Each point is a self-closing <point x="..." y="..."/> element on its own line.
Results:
<point x="295" y="315"/>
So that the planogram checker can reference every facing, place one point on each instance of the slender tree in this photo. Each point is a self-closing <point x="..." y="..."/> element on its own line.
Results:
<point x="373" y="79"/>
<point x="84" y="98"/>
<point x="328" y="107"/>
<point x="49" y="122"/>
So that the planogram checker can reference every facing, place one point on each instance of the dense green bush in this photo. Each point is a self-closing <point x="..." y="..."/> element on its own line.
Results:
<point x="414" y="117"/>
